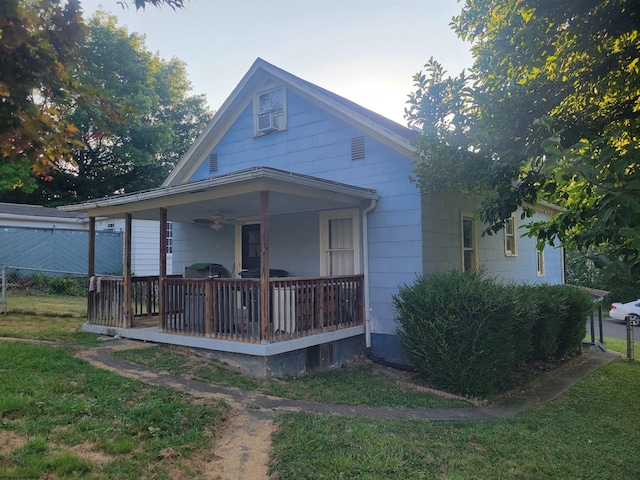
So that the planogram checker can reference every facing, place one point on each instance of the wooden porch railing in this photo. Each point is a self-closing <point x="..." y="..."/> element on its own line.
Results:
<point x="229" y="309"/>
<point x="105" y="304"/>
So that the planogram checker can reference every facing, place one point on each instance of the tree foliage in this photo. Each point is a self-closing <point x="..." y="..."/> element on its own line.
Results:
<point x="39" y="40"/>
<point x="39" y="45"/>
<point x="134" y="144"/>
<point x="549" y="111"/>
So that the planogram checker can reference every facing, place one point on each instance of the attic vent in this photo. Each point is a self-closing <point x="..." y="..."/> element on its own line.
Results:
<point x="357" y="148"/>
<point x="213" y="162"/>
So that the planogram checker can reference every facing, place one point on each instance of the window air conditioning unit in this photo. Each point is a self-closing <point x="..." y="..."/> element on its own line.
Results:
<point x="268" y="122"/>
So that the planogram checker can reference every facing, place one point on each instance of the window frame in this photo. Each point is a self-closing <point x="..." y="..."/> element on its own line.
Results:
<point x="325" y="217"/>
<point x="513" y="252"/>
<point x="256" y="109"/>
<point x="465" y="216"/>
<point x="169" y="236"/>
<point x="539" y="263"/>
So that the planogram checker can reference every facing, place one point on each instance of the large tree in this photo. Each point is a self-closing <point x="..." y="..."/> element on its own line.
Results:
<point x="39" y="42"/>
<point x="131" y="147"/>
<point x="549" y="111"/>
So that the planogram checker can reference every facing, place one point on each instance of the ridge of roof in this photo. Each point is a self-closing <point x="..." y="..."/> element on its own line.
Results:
<point x="393" y="134"/>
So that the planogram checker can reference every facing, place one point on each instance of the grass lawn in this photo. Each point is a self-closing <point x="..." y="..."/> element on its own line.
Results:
<point x="62" y="418"/>
<point x="591" y="432"/>
<point x="355" y="385"/>
<point x="49" y="328"/>
<point x="50" y="305"/>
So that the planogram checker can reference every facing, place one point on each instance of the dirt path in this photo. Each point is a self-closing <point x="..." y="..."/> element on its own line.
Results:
<point x="242" y="450"/>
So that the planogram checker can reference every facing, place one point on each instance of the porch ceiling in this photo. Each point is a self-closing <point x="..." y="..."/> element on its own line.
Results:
<point x="235" y="195"/>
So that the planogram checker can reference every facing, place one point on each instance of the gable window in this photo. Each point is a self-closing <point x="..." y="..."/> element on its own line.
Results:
<point x="510" y="247"/>
<point x="270" y="111"/>
<point x="540" y="263"/>
<point x="469" y="253"/>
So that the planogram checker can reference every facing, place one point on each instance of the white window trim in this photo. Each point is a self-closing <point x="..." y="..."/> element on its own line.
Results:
<point x="513" y="252"/>
<point x="468" y="216"/>
<point x="256" y="106"/>
<point x="325" y="216"/>
<point x="539" y="263"/>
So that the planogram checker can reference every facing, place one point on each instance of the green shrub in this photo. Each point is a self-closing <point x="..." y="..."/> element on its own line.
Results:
<point x="55" y="285"/>
<point x="549" y="301"/>
<point x="469" y="334"/>
<point x="579" y="304"/>
<point x="457" y="328"/>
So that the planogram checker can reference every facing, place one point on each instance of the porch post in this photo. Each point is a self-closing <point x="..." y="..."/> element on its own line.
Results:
<point x="162" y="268"/>
<point x="91" y="269"/>
<point x="127" y="307"/>
<point x="264" y="266"/>
<point x="92" y="247"/>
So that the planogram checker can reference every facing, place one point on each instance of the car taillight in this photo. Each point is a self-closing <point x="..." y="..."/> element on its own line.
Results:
<point x="613" y="307"/>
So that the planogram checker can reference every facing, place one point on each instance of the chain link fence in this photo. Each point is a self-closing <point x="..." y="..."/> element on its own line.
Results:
<point x="43" y="292"/>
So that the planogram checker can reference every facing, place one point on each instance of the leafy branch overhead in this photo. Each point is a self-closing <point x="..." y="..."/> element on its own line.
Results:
<point x="39" y="47"/>
<point x="549" y="111"/>
<point x="134" y="147"/>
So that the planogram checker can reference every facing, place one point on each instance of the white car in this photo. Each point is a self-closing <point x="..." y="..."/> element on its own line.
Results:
<point x="622" y="311"/>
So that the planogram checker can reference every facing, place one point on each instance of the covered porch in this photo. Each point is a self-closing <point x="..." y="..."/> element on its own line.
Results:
<point x="241" y="319"/>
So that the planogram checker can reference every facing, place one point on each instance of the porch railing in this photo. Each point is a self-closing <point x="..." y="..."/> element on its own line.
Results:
<point x="230" y="309"/>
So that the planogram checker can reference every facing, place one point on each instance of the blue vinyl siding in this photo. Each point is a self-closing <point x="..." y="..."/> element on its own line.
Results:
<point x="318" y="144"/>
<point x="407" y="235"/>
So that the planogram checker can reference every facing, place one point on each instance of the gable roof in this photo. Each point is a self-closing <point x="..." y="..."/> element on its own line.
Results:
<point x="382" y="129"/>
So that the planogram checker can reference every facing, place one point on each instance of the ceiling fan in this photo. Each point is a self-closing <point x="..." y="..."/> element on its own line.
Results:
<point x="217" y="220"/>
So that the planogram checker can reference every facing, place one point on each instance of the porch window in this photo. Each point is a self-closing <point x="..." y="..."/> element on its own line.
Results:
<point x="469" y="253"/>
<point x="540" y="263"/>
<point x="510" y="249"/>
<point x="169" y="238"/>
<point x="250" y="246"/>
<point x="339" y="244"/>
<point x="270" y="111"/>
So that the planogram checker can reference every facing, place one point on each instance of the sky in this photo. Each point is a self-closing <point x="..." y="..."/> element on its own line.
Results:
<point x="364" y="50"/>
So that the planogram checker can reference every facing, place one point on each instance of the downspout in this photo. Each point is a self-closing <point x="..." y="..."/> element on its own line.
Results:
<point x="365" y="254"/>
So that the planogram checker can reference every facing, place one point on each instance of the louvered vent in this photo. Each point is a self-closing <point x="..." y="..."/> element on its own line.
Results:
<point x="357" y="148"/>
<point x="213" y="162"/>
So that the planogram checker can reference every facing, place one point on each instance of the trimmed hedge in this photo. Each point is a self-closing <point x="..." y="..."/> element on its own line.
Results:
<point x="468" y="333"/>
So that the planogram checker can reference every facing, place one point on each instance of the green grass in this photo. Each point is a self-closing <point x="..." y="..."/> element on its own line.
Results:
<point x="49" y="305"/>
<point x="54" y="402"/>
<point x="591" y="432"/>
<point x="46" y="328"/>
<point x="354" y="385"/>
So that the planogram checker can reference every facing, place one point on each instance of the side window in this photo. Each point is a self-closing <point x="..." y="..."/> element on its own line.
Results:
<point x="510" y="243"/>
<point x="270" y="111"/>
<point x="540" y="263"/>
<point x="469" y="251"/>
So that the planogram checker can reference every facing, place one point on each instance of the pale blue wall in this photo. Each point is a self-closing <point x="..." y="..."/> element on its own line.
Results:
<point x="201" y="244"/>
<point x="319" y="144"/>
<point x="443" y="245"/>
<point x="408" y="235"/>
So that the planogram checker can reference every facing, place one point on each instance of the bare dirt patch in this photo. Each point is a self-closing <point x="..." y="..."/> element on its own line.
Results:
<point x="9" y="441"/>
